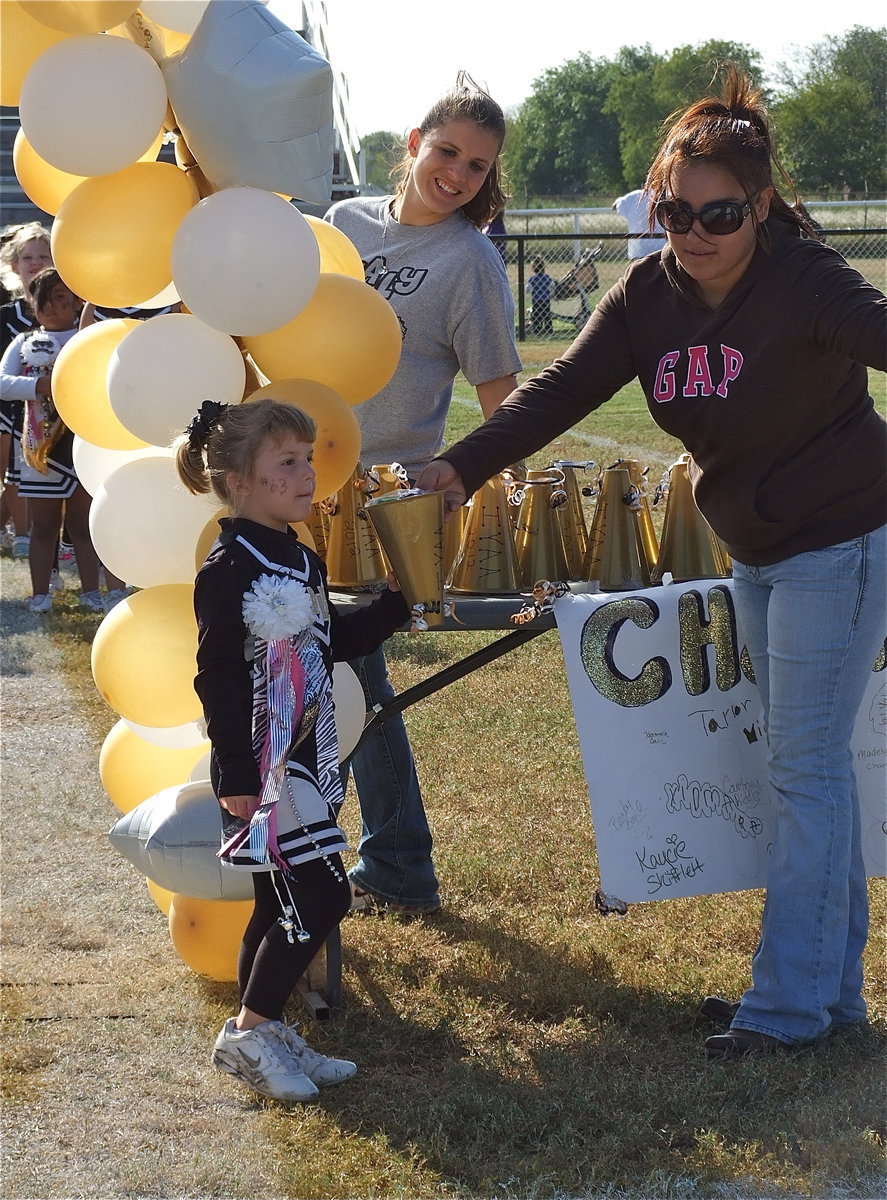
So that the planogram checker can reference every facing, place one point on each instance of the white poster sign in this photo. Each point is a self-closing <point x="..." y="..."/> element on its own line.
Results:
<point x="670" y="729"/>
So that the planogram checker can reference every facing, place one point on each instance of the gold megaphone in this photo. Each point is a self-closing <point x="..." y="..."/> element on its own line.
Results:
<point x="616" y="560"/>
<point x="486" y="561"/>
<point x="410" y="525"/>
<point x="649" y="539"/>
<point x="689" y="548"/>
<point x="572" y="517"/>
<point x="538" y="538"/>
<point x="354" y="557"/>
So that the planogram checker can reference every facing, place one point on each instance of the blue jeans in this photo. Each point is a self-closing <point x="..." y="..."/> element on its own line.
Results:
<point x="395" y="845"/>
<point x="813" y="625"/>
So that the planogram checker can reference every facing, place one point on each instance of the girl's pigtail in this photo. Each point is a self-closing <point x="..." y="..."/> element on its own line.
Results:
<point x="191" y="448"/>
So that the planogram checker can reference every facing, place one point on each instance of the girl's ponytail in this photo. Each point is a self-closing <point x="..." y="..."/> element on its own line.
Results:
<point x="191" y="448"/>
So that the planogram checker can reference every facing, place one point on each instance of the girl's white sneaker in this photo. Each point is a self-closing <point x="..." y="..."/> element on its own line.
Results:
<point x="320" y="1070"/>
<point x="262" y="1058"/>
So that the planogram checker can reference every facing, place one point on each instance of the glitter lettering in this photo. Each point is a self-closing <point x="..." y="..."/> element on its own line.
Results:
<point x="718" y="631"/>
<point x="597" y="644"/>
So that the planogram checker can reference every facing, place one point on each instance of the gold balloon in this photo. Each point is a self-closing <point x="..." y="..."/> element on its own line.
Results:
<point x="161" y="897"/>
<point x="43" y="184"/>
<point x="144" y="657"/>
<point x="80" y="391"/>
<point x="207" y="934"/>
<point x="347" y="337"/>
<point x="112" y="238"/>
<point x="338" y="254"/>
<point x="132" y="769"/>
<point x="337" y="445"/>
<point x="207" y="537"/>
<point x="22" y="40"/>
<point x="79" y="16"/>
<point x="47" y="186"/>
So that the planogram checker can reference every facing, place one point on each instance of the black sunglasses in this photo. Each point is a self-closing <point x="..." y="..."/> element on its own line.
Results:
<point x="718" y="217"/>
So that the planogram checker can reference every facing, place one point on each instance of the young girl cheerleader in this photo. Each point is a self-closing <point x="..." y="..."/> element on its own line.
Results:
<point x="45" y="469"/>
<point x="268" y="636"/>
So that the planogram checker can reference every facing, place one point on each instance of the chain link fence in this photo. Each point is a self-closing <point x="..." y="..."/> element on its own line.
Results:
<point x="561" y="261"/>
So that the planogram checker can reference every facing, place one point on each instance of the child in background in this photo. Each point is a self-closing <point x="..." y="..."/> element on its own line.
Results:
<point x="25" y="252"/>
<point x="268" y="637"/>
<point x="47" y="479"/>
<point x="540" y="288"/>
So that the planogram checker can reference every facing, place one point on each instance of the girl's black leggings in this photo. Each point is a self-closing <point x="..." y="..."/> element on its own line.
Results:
<point x="270" y="966"/>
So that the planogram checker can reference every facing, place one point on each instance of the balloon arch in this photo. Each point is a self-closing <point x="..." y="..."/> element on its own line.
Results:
<point x="271" y="302"/>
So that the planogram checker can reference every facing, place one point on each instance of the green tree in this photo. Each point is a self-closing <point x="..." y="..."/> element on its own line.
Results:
<point x="380" y="151"/>
<point x="562" y="142"/>
<point x="648" y="87"/>
<point x="591" y="125"/>
<point x="830" y="116"/>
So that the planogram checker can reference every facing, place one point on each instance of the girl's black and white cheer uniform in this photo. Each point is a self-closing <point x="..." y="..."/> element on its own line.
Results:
<point x="230" y="669"/>
<point x="18" y="385"/>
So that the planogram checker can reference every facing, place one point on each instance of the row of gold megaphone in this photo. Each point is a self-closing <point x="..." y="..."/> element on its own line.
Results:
<point x="369" y="528"/>
<point x="376" y="523"/>
<point x="621" y="549"/>
<point x="356" y="558"/>
<point x="623" y="552"/>
<point x="519" y="530"/>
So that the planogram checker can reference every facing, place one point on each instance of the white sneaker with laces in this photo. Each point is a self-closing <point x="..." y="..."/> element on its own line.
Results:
<point x="41" y="603"/>
<point x="320" y="1070"/>
<point x="262" y="1058"/>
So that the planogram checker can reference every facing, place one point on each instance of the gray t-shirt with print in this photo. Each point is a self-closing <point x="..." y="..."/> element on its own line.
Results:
<point x="448" y="286"/>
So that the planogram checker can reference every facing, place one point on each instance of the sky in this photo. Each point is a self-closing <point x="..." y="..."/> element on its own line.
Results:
<point x="398" y="56"/>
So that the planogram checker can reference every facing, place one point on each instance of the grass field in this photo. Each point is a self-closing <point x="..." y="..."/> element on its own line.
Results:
<point x="516" y="1045"/>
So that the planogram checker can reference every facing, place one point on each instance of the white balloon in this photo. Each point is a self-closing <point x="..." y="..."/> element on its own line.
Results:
<point x="351" y="708"/>
<point x="245" y="261"/>
<point x="181" y="16"/>
<point x="254" y="102"/>
<point x="92" y="105"/>
<point x="162" y="369"/>
<point x="94" y="464"/>
<point x="145" y="524"/>
<point x="172" y="737"/>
